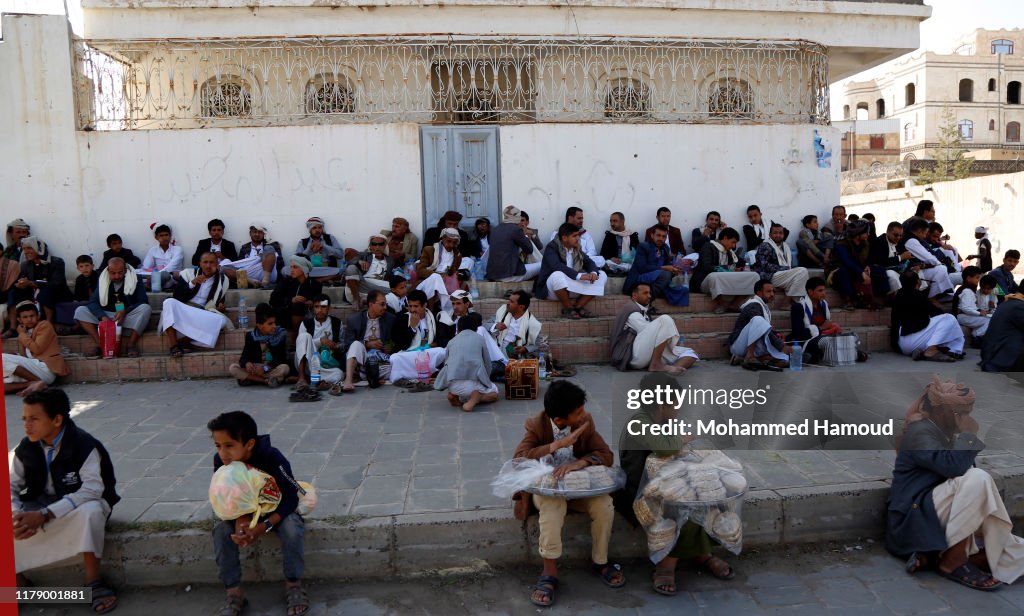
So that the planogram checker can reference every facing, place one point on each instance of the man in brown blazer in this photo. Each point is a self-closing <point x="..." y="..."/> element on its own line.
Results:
<point x="675" y="235"/>
<point x="565" y="431"/>
<point x="38" y="362"/>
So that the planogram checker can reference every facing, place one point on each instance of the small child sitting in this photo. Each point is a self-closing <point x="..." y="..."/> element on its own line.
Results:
<point x="235" y="437"/>
<point x="264" y="357"/>
<point x="87" y="279"/>
<point x="116" y="248"/>
<point x="814" y="250"/>
<point x="396" y="298"/>
<point x="965" y="305"/>
<point x="987" y="299"/>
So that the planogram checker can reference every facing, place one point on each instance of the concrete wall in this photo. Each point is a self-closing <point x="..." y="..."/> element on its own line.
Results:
<point x="992" y="201"/>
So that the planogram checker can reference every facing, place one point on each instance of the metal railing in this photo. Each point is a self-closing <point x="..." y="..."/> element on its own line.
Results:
<point x="147" y="84"/>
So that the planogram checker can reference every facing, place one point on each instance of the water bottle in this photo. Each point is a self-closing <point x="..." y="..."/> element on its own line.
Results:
<point x="410" y="267"/>
<point x="474" y="291"/>
<point x="542" y="366"/>
<point x="423" y="366"/>
<point x="243" y="313"/>
<point x="154" y="281"/>
<point x="796" y="359"/>
<point x="314" y="371"/>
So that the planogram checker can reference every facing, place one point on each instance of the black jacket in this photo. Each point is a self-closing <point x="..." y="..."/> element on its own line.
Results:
<point x="355" y="328"/>
<point x="403" y="336"/>
<point x="183" y="291"/>
<point x="126" y="254"/>
<point x="271" y="461"/>
<point x="252" y="352"/>
<point x="878" y="255"/>
<point x="911" y="312"/>
<point x="433" y="236"/>
<point x="52" y="274"/>
<point x="226" y="248"/>
<point x="85" y="286"/>
<point x="610" y="245"/>
<point x="288" y="287"/>
<point x="553" y="262"/>
<point x="508" y="242"/>
<point x="75" y="447"/>
<point x="706" y="265"/>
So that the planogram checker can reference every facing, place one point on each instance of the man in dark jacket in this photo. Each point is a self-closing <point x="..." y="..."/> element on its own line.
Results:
<point x="367" y="333"/>
<point x="1003" y="348"/>
<point x="220" y="247"/>
<point x="619" y="242"/>
<point x="509" y="246"/>
<point x="120" y="298"/>
<point x="939" y="500"/>
<point x="42" y="279"/>
<point x="885" y="258"/>
<point x="62" y="490"/>
<point x="370" y="270"/>
<point x="567" y="269"/>
<point x="450" y="220"/>
<point x="293" y="296"/>
<point x="754" y="343"/>
<point x="675" y="234"/>
<point x="712" y="228"/>
<point x="653" y="264"/>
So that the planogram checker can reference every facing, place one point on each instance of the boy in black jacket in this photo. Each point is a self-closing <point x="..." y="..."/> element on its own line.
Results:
<point x="115" y="246"/>
<point x="264" y="357"/>
<point x="62" y="491"/>
<point x="236" y="439"/>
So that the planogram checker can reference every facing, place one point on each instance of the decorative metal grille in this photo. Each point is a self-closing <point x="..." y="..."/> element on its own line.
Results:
<point x="124" y="85"/>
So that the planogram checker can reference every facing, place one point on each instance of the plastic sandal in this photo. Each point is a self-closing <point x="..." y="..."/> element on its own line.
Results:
<point x="607" y="574"/>
<point x="298" y="601"/>
<point x="546" y="585"/>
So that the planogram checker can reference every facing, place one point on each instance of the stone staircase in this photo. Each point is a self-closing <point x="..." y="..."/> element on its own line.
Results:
<point x="572" y="341"/>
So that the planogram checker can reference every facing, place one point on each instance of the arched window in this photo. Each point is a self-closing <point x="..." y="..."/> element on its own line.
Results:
<point x="991" y="124"/>
<point x="966" y="129"/>
<point x="846" y="112"/>
<point x="1002" y="46"/>
<point x="991" y="85"/>
<point x="909" y="157"/>
<point x="862" y="111"/>
<point x="880" y="108"/>
<point x="908" y="132"/>
<point x="966" y="90"/>
<point x="329" y="94"/>
<point x="1013" y="132"/>
<point x="1013" y="93"/>
<point x="910" y="94"/>
<point x="225" y="97"/>
<point x="730" y="98"/>
<point x="627" y="99"/>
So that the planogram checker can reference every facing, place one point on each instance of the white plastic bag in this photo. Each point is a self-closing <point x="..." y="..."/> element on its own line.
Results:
<point x="518" y="474"/>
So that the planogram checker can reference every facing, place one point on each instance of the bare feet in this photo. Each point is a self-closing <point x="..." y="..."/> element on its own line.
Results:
<point x="34" y="386"/>
<point x="669" y="368"/>
<point x="454" y="400"/>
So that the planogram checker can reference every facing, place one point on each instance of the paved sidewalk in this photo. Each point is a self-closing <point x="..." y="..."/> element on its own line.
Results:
<point x="855" y="579"/>
<point x="385" y="452"/>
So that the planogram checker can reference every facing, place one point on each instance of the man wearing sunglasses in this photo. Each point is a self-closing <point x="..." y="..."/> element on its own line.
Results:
<point x="370" y="270"/>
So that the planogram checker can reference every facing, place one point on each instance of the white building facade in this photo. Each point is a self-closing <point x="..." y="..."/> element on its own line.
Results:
<point x="180" y="111"/>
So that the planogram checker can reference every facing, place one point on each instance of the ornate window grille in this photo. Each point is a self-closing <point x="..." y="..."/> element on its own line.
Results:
<point x="966" y="129"/>
<point x="160" y="84"/>
<point x="628" y="99"/>
<point x="225" y="98"/>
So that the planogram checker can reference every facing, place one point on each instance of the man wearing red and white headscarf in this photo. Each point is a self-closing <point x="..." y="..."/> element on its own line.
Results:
<point x="323" y="250"/>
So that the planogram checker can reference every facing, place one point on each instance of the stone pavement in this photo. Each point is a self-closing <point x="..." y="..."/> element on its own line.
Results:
<point x="385" y="452"/>
<point x="853" y="579"/>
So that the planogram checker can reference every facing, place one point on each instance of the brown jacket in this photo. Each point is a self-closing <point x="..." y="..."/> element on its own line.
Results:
<point x="45" y="347"/>
<point x="424" y="267"/>
<point x="589" y="446"/>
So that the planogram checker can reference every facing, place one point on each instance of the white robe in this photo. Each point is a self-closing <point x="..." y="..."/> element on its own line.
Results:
<point x="650" y="334"/>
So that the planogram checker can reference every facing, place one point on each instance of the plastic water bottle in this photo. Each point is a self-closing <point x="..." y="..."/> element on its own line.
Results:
<point x="423" y="366"/>
<point x="154" y="281"/>
<point x="243" y="313"/>
<point x="314" y="371"/>
<point x="542" y="366"/>
<point x="410" y="267"/>
<point x="796" y="359"/>
<point x="474" y="291"/>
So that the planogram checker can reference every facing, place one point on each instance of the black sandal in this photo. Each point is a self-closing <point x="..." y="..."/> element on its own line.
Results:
<point x="233" y="606"/>
<point x="917" y="562"/>
<point x="298" y="600"/>
<point x="546" y="586"/>
<point x="99" y="593"/>
<point x="607" y="574"/>
<point x="971" y="577"/>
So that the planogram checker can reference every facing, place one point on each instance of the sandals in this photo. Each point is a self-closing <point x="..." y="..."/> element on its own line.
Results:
<point x="585" y="314"/>
<point x="971" y="577"/>
<point x="99" y="593"/>
<point x="335" y="389"/>
<point x="546" y="586"/>
<point x="939" y="356"/>
<point x="917" y="562"/>
<point x="298" y="601"/>
<point x="306" y="394"/>
<point x="665" y="581"/>
<point x="717" y="567"/>
<point x="233" y="606"/>
<point x="570" y="313"/>
<point x="608" y="574"/>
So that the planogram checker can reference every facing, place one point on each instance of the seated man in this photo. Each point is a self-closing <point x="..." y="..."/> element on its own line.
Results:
<point x="119" y="297"/>
<point x="17" y="230"/>
<point x="396" y="298"/>
<point x="447" y="322"/>
<point x="932" y="270"/>
<point x="812" y="248"/>
<point x="450" y="220"/>
<point x="506" y="263"/>
<point x="38" y="362"/>
<point x="292" y="298"/>
<point x="1004" y="274"/>
<point x="753" y="342"/>
<point x="370" y="270"/>
<point x="321" y="331"/>
<point x="197" y="312"/>
<point x="618" y="245"/>
<point x="480" y="239"/>
<point x="260" y="261"/>
<point x="884" y="258"/>
<point x="574" y="215"/>
<point x="443" y="268"/>
<point x="466" y="367"/>
<point x="655" y="339"/>
<point x="773" y="262"/>
<point x="921" y="329"/>
<point x="414" y="332"/>
<point x="675" y="234"/>
<point x="850" y="270"/>
<point x="534" y="236"/>
<point x="944" y="512"/>
<point x="835" y="228"/>
<point x="567" y="273"/>
<point x="652" y="265"/>
<point x="58" y="520"/>
<point x="565" y="431"/>
<point x="1003" y="347"/>
<point x="712" y="229"/>
<point x="324" y="251"/>
<point x="163" y="261"/>
<point x="515" y="333"/>
<point x="41" y="279"/>
<point x="115" y="248"/>
<point x="403" y="245"/>
<point x="221" y="248"/>
<point x="755" y="232"/>
<point x="366" y="332"/>
<point x="722" y="274"/>
<point x="946" y="253"/>
<point x="264" y="358"/>
<point x="811" y="319"/>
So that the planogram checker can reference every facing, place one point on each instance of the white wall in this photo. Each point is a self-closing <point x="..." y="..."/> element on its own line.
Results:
<point x="688" y="168"/>
<point x="994" y="201"/>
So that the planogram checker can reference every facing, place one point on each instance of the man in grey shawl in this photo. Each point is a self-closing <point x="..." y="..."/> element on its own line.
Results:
<point x="466" y="367"/>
